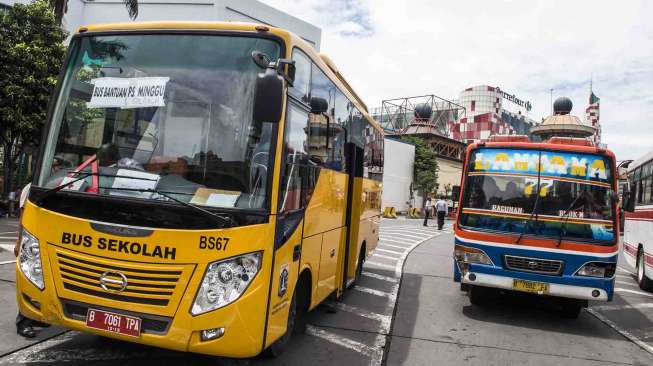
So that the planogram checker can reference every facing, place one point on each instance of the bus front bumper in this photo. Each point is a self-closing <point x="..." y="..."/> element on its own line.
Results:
<point x="183" y="333"/>
<point x="506" y="282"/>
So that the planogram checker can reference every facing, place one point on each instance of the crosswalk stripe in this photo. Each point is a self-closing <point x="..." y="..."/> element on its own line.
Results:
<point x="380" y="277"/>
<point x="626" y="283"/>
<point x="618" y="289"/>
<point x="390" y="245"/>
<point x="376" y="255"/>
<point x="375" y="292"/>
<point x="375" y="353"/>
<point x="644" y="305"/>
<point x="383" y="240"/>
<point x="7" y="247"/>
<point x="387" y="251"/>
<point x="393" y="234"/>
<point x="380" y="265"/>
<point x="383" y="319"/>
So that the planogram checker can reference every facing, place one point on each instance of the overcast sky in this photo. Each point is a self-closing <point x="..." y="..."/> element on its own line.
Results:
<point x="389" y="49"/>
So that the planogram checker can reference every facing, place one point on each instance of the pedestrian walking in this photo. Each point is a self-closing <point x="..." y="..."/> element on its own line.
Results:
<point x="427" y="211"/>
<point x="441" y="209"/>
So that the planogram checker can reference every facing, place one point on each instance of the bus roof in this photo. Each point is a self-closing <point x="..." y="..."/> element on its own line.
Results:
<point x="322" y="60"/>
<point x="640" y="161"/>
<point x="544" y="146"/>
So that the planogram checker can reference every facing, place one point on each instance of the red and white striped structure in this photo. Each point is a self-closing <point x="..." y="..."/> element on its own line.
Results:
<point x="489" y="112"/>
<point x="592" y="117"/>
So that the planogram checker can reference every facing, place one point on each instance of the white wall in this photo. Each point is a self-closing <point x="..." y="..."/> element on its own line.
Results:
<point x="399" y="158"/>
<point x="84" y="12"/>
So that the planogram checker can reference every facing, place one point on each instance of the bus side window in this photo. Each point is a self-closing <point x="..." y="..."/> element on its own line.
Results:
<point x="294" y="156"/>
<point x="338" y="133"/>
<point x="300" y="88"/>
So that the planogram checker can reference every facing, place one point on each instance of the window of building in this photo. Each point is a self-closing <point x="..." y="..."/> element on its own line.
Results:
<point x="473" y="108"/>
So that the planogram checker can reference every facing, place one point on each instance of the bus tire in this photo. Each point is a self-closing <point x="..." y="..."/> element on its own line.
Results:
<point x="644" y="282"/>
<point x="571" y="308"/>
<point x="359" y="266"/>
<point x="279" y="346"/>
<point x="480" y="296"/>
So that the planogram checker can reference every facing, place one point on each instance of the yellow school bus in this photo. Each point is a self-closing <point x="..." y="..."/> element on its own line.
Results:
<point x="200" y="187"/>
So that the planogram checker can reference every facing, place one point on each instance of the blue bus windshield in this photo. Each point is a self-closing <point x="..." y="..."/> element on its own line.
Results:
<point x="569" y="192"/>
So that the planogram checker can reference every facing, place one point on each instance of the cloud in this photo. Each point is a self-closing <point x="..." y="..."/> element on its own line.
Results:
<point x="389" y="49"/>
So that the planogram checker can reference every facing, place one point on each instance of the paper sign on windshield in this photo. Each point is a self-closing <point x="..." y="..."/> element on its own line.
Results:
<point x="128" y="92"/>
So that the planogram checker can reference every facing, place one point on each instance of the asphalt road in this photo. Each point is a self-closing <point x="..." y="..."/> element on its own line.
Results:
<point x="405" y="310"/>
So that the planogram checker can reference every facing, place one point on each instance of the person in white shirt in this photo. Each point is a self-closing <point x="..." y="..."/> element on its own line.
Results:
<point x="441" y="209"/>
<point x="427" y="211"/>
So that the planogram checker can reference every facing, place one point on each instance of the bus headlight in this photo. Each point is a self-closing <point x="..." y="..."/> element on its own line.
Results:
<point x="225" y="281"/>
<point x="469" y="255"/>
<point x="597" y="269"/>
<point x="29" y="259"/>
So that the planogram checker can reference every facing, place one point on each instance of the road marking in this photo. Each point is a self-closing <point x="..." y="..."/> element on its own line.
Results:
<point x="375" y="292"/>
<point x="380" y="265"/>
<point x="618" y="289"/>
<point x="644" y="305"/>
<point x="8" y="247"/>
<point x="622" y="269"/>
<point x="395" y="234"/>
<point x="383" y="240"/>
<point x="8" y="232"/>
<point x="627" y="283"/>
<point x="387" y="251"/>
<point x="8" y="262"/>
<point x="376" y="255"/>
<point x="385" y="320"/>
<point x="648" y="348"/>
<point x="390" y="245"/>
<point x="380" y="277"/>
<point x="375" y="353"/>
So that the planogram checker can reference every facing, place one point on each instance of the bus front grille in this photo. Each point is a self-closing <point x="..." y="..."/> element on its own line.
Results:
<point x="137" y="283"/>
<point x="534" y="265"/>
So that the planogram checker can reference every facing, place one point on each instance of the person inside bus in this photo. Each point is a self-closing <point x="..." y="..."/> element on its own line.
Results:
<point x="492" y="192"/>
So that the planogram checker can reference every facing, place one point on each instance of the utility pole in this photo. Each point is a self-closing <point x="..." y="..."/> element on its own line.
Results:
<point x="551" y="99"/>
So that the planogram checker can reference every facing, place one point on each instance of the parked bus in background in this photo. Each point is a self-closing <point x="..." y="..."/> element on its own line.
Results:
<point x="200" y="187"/>
<point x="539" y="218"/>
<point x="638" y="225"/>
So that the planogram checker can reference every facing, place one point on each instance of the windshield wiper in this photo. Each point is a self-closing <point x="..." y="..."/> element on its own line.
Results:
<point x="228" y="220"/>
<point x="565" y="216"/>
<point x="530" y="218"/>
<point x="39" y="199"/>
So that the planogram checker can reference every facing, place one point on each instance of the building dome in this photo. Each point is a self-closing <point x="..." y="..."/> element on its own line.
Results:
<point x="561" y="123"/>
<point x="423" y="111"/>
<point x="562" y="105"/>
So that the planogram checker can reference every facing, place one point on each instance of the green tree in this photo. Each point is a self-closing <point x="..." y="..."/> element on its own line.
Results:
<point x="425" y="170"/>
<point x="31" y="53"/>
<point x="60" y="8"/>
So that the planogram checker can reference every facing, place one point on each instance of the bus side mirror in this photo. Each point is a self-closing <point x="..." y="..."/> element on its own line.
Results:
<point x="629" y="201"/>
<point x="268" y="96"/>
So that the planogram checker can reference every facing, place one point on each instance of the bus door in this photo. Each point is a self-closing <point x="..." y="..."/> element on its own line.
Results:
<point x="352" y="220"/>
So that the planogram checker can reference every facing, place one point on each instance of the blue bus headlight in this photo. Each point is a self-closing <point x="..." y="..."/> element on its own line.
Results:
<point x="225" y="281"/>
<point x="597" y="269"/>
<point x="29" y="259"/>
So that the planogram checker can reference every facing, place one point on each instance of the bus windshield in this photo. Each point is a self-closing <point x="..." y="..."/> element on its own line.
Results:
<point x="544" y="193"/>
<point x="162" y="112"/>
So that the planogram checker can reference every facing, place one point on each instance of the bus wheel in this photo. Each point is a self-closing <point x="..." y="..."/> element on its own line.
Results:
<point x="280" y="345"/>
<point x="571" y="308"/>
<point x="359" y="267"/>
<point x="644" y="282"/>
<point x="481" y="296"/>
